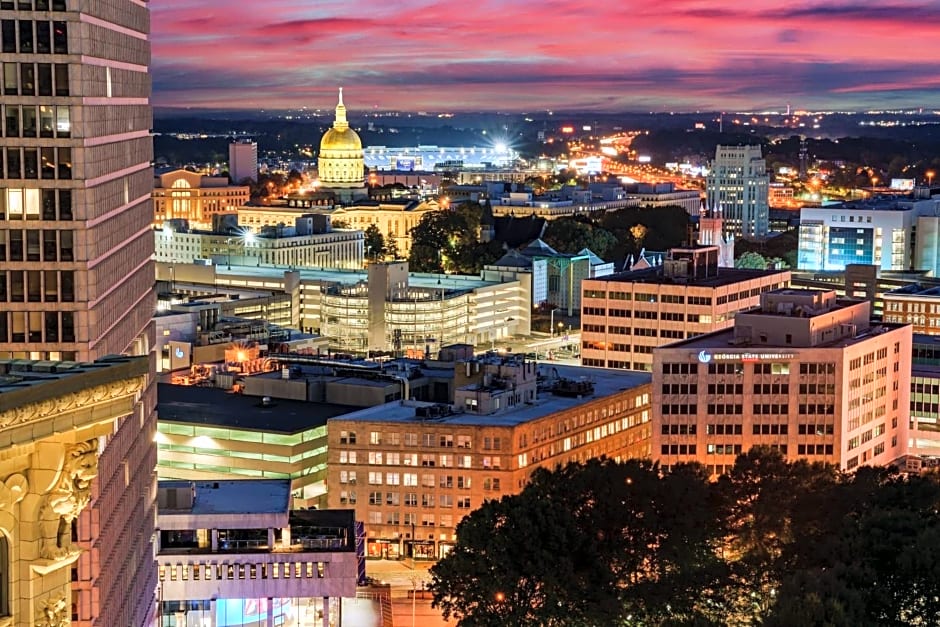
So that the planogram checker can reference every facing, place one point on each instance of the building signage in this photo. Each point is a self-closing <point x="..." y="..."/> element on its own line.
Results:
<point x="709" y="356"/>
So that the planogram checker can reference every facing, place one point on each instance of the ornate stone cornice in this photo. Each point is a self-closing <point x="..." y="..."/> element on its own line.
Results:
<point x="56" y="406"/>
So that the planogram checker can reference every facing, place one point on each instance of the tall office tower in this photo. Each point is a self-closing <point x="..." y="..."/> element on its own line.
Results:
<point x="243" y="161"/>
<point x="806" y="373"/>
<point x="76" y="276"/>
<point x="737" y="186"/>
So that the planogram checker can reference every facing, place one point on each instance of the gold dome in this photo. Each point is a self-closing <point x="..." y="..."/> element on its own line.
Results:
<point x="340" y="139"/>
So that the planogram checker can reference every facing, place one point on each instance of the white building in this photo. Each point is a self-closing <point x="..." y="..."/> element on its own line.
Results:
<point x="273" y="246"/>
<point x="243" y="161"/>
<point x="877" y="232"/>
<point x="738" y="184"/>
<point x="233" y="553"/>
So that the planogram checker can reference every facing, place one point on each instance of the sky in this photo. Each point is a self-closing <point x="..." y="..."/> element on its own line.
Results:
<point x="536" y="55"/>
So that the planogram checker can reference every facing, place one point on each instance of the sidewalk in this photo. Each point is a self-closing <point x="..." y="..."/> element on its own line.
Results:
<point x="404" y="578"/>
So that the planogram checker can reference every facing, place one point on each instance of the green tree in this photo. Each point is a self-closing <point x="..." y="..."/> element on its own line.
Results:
<point x="374" y="243"/>
<point x="447" y="241"/>
<point x="752" y="260"/>
<point x="588" y="544"/>
<point x="571" y="235"/>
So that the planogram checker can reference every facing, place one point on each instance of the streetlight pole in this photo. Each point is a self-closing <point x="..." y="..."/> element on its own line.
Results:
<point x="551" y="324"/>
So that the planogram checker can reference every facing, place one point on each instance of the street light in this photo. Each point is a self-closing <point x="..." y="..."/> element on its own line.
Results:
<point x="930" y="175"/>
<point x="551" y="325"/>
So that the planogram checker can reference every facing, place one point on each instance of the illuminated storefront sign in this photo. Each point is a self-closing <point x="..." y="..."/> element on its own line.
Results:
<point x="709" y="356"/>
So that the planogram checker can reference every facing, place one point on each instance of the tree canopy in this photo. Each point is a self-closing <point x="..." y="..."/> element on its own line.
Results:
<point x="448" y="241"/>
<point x="771" y="542"/>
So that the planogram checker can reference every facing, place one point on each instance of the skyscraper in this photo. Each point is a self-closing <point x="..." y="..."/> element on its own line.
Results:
<point x="243" y="161"/>
<point x="737" y="188"/>
<point x="76" y="276"/>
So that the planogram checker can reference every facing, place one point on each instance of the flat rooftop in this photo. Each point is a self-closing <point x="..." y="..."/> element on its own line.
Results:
<point x="721" y="340"/>
<point x="220" y="408"/>
<point x="606" y="382"/>
<point x="449" y="282"/>
<point x="249" y="496"/>
<point x="654" y="276"/>
<point x="916" y="289"/>
<point x="24" y="381"/>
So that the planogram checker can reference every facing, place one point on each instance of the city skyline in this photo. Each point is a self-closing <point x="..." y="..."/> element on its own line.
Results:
<point x="682" y="55"/>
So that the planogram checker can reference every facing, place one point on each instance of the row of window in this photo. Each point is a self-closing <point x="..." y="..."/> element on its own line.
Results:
<point x="35" y="79"/>
<point x="394" y="438"/>
<point x="37" y="121"/>
<point x="351" y="497"/>
<point x="37" y="245"/>
<point x="35" y="204"/>
<point x="428" y="500"/>
<point x="673" y="299"/>
<point x="37" y="326"/>
<point x="35" y="286"/>
<point x="40" y="36"/>
<point x="32" y="5"/>
<point x="221" y="572"/>
<point x="47" y="163"/>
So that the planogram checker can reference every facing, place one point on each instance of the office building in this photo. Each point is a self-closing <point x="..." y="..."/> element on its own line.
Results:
<point x="737" y="185"/>
<point x="625" y="316"/>
<point x="877" y="231"/>
<point x="807" y="374"/>
<point x="195" y="198"/>
<point x="75" y="252"/>
<point x="385" y="308"/>
<point x="235" y="553"/>
<point x="412" y="470"/>
<point x="243" y="161"/>
<point x="924" y="439"/>
<point x="915" y="304"/>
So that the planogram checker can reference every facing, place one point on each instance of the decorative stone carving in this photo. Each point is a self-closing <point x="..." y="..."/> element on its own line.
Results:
<point x="12" y="491"/>
<point x="53" y="407"/>
<point x="53" y="612"/>
<point x="67" y="498"/>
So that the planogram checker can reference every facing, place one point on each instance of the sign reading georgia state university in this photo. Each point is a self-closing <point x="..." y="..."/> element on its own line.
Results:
<point x="709" y="356"/>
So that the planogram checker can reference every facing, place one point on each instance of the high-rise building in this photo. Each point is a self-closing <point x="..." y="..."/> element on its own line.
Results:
<point x="806" y="373"/>
<point x="75" y="251"/>
<point x="243" y="161"/>
<point x="737" y="186"/>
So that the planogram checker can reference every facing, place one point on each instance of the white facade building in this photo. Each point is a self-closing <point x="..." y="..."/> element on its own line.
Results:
<point x="243" y="161"/>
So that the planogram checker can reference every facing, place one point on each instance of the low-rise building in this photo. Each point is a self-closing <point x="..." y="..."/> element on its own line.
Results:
<point x="234" y="553"/>
<point x="184" y="195"/>
<point x="312" y="242"/>
<point x="385" y="308"/>
<point x="413" y="470"/>
<point x="625" y="316"/>
<point x="806" y="373"/>
<point x="915" y="304"/>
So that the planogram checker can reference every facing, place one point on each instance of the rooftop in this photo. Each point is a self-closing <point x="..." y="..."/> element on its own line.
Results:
<point x="249" y="496"/>
<point x="213" y="406"/>
<point x="723" y="340"/>
<point x="605" y="382"/>
<point x="326" y="275"/>
<point x="655" y="276"/>
<point x="916" y="289"/>
<point x="25" y="381"/>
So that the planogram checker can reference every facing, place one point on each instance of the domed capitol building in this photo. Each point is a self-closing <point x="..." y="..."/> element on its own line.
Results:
<point x="340" y="164"/>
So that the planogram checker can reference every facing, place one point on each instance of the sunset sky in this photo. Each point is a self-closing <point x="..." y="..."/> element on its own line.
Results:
<point x="527" y="55"/>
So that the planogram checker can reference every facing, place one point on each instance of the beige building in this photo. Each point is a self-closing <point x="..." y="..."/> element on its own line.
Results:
<point x="916" y="305"/>
<point x="413" y="470"/>
<point x="196" y="198"/>
<point x="272" y="247"/>
<point x="625" y="316"/>
<point x="806" y="373"/>
<point x="54" y="420"/>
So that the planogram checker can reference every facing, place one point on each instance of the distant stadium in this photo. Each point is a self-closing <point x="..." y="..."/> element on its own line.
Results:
<point x="430" y="158"/>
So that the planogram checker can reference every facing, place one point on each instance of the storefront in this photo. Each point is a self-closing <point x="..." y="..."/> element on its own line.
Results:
<point x="420" y="549"/>
<point x="382" y="548"/>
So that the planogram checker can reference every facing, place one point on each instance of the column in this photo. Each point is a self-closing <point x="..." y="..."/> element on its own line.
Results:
<point x="270" y="538"/>
<point x="270" y="621"/>
<point x="215" y="540"/>
<point x="326" y="611"/>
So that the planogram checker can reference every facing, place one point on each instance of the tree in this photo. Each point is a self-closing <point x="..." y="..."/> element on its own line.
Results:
<point x="752" y="260"/>
<point x="586" y="544"/>
<point x="571" y="235"/>
<point x="447" y="241"/>
<point x="374" y="243"/>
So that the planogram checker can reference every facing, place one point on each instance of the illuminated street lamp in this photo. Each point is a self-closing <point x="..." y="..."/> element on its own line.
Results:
<point x="929" y="174"/>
